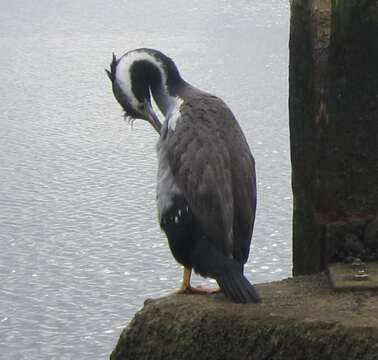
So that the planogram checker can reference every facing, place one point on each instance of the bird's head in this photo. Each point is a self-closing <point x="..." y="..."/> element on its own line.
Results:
<point x="131" y="89"/>
<point x="135" y="75"/>
<point x="132" y="105"/>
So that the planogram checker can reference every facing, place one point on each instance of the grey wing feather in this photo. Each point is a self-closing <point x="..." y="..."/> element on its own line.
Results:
<point x="200" y="162"/>
<point x="243" y="174"/>
<point x="243" y="177"/>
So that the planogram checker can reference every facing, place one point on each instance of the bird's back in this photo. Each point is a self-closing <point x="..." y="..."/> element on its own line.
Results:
<point x="212" y="164"/>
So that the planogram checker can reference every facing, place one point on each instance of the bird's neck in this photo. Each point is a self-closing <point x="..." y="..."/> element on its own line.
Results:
<point x="165" y="83"/>
<point x="166" y="98"/>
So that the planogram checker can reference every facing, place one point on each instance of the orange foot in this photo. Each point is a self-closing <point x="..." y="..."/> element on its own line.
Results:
<point x="186" y="288"/>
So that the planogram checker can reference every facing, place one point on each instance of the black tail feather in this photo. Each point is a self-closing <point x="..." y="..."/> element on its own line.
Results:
<point x="237" y="288"/>
<point x="210" y="262"/>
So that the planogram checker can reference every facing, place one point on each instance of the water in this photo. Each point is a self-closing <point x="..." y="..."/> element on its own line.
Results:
<point x="80" y="244"/>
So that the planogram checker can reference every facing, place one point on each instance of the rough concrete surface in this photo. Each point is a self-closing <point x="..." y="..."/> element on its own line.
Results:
<point x="299" y="318"/>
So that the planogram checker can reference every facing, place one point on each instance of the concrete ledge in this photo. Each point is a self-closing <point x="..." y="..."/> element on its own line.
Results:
<point x="300" y="318"/>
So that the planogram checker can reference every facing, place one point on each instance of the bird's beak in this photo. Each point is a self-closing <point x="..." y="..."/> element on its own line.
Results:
<point x="151" y="116"/>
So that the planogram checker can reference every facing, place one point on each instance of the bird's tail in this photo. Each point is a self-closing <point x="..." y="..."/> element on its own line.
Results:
<point x="237" y="288"/>
<point x="208" y="261"/>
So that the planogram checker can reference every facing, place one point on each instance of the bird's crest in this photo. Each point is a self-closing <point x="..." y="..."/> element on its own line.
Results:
<point x="112" y="72"/>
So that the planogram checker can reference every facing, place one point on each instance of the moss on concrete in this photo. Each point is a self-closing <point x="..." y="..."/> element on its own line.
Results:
<point x="300" y="318"/>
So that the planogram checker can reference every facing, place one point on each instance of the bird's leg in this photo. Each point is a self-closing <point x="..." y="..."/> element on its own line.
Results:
<point x="186" y="288"/>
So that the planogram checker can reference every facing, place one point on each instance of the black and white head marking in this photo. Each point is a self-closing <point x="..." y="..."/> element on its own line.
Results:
<point x="140" y="73"/>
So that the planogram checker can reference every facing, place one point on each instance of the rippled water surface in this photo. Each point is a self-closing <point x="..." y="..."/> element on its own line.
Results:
<point x="80" y="245"/>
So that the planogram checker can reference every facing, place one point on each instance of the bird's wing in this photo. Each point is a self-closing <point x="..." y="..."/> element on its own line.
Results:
<point x="200" y="163"/>
<point x="244" y="193"/>
<point x="243" y="179"/>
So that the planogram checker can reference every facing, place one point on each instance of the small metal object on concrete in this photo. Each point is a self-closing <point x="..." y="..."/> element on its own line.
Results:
<point x="355" y="276"/>
<point x="360" y="271"/>
<point x="357" y="263"/>
<point x="361" y="275"/>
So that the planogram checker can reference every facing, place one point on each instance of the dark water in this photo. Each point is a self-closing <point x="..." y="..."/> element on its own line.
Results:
<point x="80" y="244"/>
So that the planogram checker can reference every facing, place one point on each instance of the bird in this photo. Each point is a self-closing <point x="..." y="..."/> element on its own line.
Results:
<point x="206" y="179"/>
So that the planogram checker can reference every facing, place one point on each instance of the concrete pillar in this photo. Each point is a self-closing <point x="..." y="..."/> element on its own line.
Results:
<point x="334" y="131"/>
